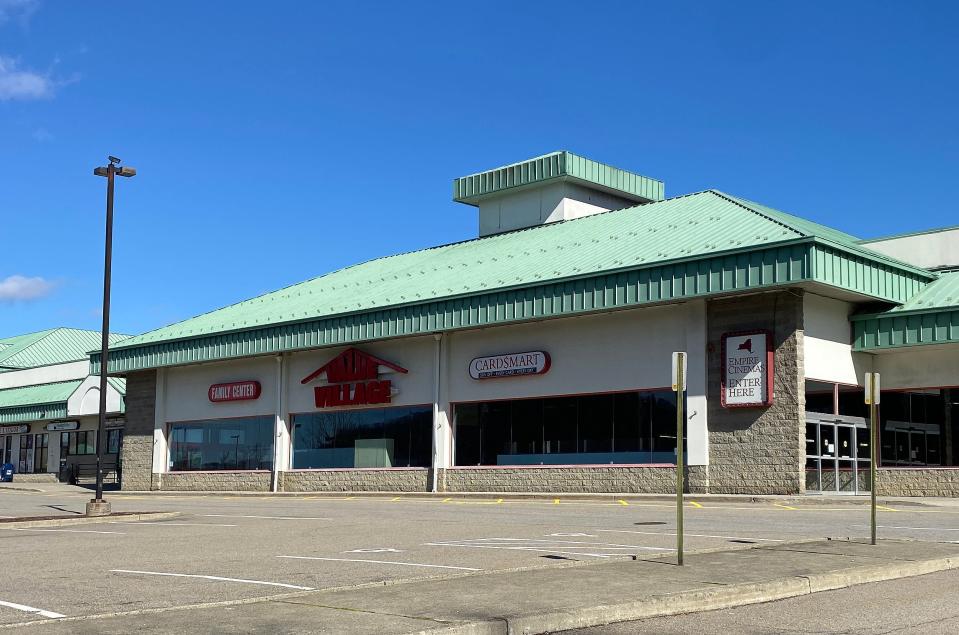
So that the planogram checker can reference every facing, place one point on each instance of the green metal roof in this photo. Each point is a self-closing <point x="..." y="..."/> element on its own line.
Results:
<point x="556" y="165"/>
<point x="695" y="245"/>
<point x="929" y="317"/>
<point x="43" y="401"/>
<point x="53" y="346"/>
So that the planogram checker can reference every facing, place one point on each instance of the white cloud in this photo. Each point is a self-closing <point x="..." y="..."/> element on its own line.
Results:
<point x="16" y="287"/>
<point x="17" y="9"/>
<point x="17" y="83"/>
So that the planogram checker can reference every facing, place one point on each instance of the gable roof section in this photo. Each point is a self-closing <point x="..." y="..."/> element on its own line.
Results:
<point x="700" y="244"/>
<point x="929" y="317"/>
<point x="43" y="401"/>
<point x="53" y="346"/>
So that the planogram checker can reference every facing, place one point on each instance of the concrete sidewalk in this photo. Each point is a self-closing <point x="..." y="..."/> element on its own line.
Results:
<point x="547" y="599"/>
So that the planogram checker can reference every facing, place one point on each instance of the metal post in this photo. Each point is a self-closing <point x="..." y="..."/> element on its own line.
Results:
<point x="873" y="450"/>
<point x="105" y="332"/>
<point x="680" y="395"/>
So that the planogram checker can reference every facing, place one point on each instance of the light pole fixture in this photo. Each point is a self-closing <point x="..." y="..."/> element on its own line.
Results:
<point x="98" y="506"/>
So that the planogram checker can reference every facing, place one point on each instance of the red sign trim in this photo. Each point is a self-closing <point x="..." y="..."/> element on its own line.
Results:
<point x="234" y="391"/>
<point x="770" y="370"/>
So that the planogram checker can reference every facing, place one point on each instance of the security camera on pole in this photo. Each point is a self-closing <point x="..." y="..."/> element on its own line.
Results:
<point x="98" y="506"/>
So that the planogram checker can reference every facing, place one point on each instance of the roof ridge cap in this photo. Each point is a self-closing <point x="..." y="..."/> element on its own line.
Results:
<point x="736" y="201"/>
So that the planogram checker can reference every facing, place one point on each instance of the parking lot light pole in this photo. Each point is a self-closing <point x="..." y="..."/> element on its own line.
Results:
<point x="98" y="506"/>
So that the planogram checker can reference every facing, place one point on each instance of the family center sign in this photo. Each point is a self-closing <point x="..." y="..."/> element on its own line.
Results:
<point x="747" y="377"/>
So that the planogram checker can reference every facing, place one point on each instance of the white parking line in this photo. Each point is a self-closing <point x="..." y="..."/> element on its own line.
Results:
<point x="30" y="609"/>
<point x="266" y="517"/>
<point x="405" y="564"/>
<point x="917" y="528"/>
<point x="666" y="533"/>
<point x="164" y="524"/>
<point x="214" y="577"/>
<point x="69" y="531"/>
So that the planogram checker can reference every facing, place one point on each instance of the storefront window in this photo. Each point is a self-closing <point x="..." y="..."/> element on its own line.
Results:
<point x="919" y="428"/>
<point x="113" y="441"/>
<point x="593" y="429"/>
<point x="381" y="437"/>
<point x="222" y="444"/>
<point x="80" y="443"/>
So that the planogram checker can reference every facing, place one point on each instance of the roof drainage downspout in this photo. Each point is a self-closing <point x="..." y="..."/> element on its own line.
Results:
<point x="438" y="436"/>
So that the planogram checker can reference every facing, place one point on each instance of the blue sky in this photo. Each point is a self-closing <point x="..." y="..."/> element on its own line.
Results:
<point x="279" y="141"/>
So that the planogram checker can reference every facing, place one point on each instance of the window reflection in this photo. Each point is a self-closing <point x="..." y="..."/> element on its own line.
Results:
<point x="381" y="437"/>
<point x="222" y="444"/>
<point x="635" y="427"/>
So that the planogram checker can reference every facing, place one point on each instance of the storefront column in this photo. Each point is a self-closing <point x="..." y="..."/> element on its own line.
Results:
<point x="281" y="431"/>
<point x="697" y="431"/>
<point x="161" y="451"/>
<point x="441" y="425"/>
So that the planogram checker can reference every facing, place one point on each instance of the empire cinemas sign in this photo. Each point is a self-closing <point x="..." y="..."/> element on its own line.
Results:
<point x="747" y="377"/>
<point x="353" y="380"/>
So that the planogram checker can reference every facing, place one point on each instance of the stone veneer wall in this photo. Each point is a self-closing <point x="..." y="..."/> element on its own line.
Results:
<point x="758" y="450"/>
<point x="573" y="479"/>
<point x="918" y="482"/>
<point x="258" y="481"/>
<point x="365" y="480"/>
<point x="137" y="449"/>
<point x="41" y="477"/>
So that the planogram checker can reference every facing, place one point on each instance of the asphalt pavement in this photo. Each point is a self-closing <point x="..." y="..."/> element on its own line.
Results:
<point x="229" y="550"/>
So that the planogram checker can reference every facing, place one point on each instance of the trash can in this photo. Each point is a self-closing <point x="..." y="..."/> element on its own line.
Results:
<point x="6" y="472"/>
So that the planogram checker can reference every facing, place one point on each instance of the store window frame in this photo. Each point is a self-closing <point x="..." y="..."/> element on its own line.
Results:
<point x="647" y="443"/>
<point x="73" y="443"/>
<point x="947" y="440"/>
<point x="427" y="408"/>
<point x="268" y="423"/>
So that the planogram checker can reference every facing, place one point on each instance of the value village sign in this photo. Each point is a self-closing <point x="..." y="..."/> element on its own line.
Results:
<point x="353" y="380"/>
<point x="747" y="377"/>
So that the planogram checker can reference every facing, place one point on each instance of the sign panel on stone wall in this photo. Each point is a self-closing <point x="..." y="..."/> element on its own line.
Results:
<point x="14" y="429"/>
<point x="747" y="375"/>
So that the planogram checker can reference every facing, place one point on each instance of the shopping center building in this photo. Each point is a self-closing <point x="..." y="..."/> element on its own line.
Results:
<point x="50" y="405"/>
<point x="536" y="357"/>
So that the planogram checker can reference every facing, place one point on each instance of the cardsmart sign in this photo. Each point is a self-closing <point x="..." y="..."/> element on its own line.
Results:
<point x="353" y="379"/>
<point x="510" y="365"/>
<point x="234" y="391"/>
<point x="747" y="377"/>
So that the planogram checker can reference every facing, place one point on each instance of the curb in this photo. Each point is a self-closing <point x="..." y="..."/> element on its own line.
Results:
<point x="84" y="520"/>
<point x="695" y="601"/>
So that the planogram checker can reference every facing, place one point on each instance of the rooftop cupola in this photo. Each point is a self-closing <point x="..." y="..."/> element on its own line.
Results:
<point x="554" y="187"/>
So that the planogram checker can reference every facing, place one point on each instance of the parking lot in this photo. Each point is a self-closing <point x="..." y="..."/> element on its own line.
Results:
<point x="224" y="549"/>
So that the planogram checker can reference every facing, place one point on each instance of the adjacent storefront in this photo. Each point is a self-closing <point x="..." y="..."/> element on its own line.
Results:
<point x="49" y="408"/>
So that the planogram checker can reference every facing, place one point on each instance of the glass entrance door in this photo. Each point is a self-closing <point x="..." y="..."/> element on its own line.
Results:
<point x="837" y="454"/>
<point x="40" y="452"/>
